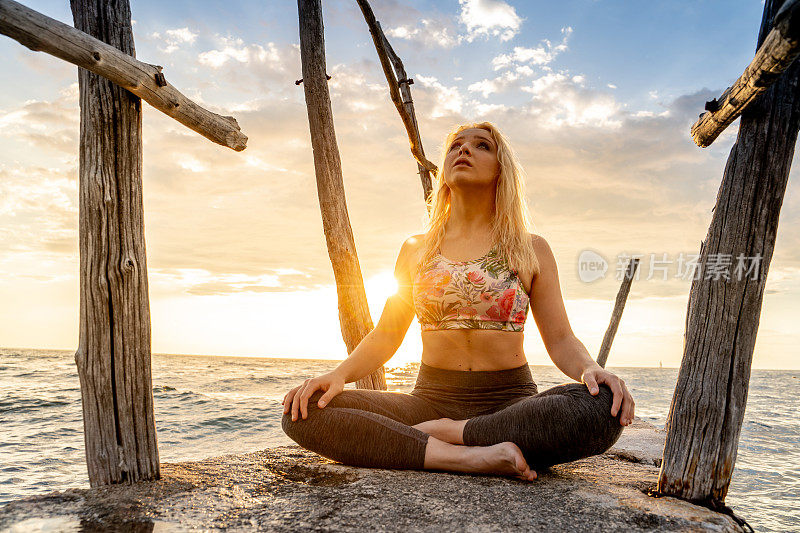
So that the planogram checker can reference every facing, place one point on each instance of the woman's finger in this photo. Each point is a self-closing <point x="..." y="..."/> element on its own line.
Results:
<point x="296" y="400"/>
<point x="627" y="407"/>
<point x="591" y="384"/>
<point x="616" y="389"/>
<point x="307" y="392"/>
<point x="287" y="400"/>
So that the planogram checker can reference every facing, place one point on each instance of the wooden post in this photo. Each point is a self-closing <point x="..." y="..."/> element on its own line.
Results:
<point x="722" y="318"/>
<point x="113" y="355"/>
<point x="400" y="93"/>
<point x="354" y="316"/>
<point x="616" y="315"/>
<point x="41" y="33"/>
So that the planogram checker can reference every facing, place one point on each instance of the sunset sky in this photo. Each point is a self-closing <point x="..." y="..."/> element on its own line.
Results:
<point x="597" y="98"/>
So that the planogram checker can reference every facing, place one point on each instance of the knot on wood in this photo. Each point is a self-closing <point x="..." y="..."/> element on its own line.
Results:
<point x="712" y="105"/>
<point x="409" y="81"/>
<point x="161" y="81"/>
<point x="298" y="82"/>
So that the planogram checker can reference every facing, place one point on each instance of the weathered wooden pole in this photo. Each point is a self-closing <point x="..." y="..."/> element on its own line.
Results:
<point x="778" y="51"/>
<point x="42" y="33"/>
<point x="354" y="314"/>
<point x="113" y="355"/>
<point x="722" y="317"/>
<point x="400" y="93"/>
<point x="616" y="315"/>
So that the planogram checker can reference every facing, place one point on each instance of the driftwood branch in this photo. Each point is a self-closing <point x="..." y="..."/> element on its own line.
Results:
<point x="41" y="33"/>
<point x="354" y="317"/>
<point x="616" y="315"/>
<point x="400" y="94"/>
<point x="778" y="51"/>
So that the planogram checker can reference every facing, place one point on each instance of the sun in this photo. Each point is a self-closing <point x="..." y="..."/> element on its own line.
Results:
<point x="380" y="287"/>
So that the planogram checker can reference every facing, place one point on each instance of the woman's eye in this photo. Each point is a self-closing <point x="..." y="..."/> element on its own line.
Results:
<point x="484" y="144"/>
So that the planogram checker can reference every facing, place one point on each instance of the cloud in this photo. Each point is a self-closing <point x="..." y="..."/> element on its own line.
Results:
<point x="174" y="38"/>
<point x="428" y="32"/>
<point x="518" y="66"/>
<point x="477" y="19"/>
<point x="236" y="50"/>
<point x="559" y="100"/>
<point x="543" y="54"/>
<point x="489" y="18"/>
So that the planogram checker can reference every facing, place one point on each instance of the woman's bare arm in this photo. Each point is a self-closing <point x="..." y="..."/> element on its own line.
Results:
<point x="564" y="348"/>
<point x="380" y="344"/>
<point x="377" y="347"/>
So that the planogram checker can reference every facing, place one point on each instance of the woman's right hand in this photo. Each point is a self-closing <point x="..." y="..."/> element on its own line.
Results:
<point x="296" y="400"/>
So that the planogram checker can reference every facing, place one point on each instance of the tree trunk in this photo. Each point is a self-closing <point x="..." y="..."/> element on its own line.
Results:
<point x="113" y="356"/>
<point x="722" y="317"/>
<point x="354" y="314"/>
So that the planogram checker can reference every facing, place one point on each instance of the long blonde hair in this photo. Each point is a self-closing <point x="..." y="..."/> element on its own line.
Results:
<point x="511" y="225"/>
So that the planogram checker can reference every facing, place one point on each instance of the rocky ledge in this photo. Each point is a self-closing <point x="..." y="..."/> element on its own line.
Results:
<point x="290" y="489"/>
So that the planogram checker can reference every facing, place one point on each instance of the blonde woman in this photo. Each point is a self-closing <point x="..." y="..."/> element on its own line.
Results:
<point x="470" y="279"/>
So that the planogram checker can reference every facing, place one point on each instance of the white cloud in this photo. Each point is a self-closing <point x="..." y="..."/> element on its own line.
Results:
<point x="560" y="100"/>
<point x="236" y="50"/>
<point x="429" y="32"/>
<point x="489" y="18"/>
<point x="174" y="38"/>
<point x="445" y="99"/>
<point x="540" y="55"/>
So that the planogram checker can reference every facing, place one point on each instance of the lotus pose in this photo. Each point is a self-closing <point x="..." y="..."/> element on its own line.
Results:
<point x="470" y="279"/>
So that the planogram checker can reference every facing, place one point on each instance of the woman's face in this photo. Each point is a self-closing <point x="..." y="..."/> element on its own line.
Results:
<point x="471" y="159"/>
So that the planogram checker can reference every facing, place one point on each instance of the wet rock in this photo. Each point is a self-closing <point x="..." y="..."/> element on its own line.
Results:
<point x="291" y="489"/>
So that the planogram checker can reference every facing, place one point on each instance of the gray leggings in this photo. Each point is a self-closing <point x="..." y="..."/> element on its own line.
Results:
<point x="373" y="428"/>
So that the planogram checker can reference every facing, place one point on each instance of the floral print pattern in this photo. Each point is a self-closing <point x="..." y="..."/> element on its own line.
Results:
<point x="479" y="294"/>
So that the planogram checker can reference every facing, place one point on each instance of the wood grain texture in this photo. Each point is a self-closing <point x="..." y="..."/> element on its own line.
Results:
<point x="400" y="93"/>
<point x="707" y="409"/>
<point x="354" y="314"/>
<point x="778" y="51"/>
<point x="113" y="355"/>
<point x="41" y="33"/>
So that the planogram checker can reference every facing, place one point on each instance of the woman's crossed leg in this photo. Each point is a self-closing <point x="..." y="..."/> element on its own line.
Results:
<point x="398" y="430"/>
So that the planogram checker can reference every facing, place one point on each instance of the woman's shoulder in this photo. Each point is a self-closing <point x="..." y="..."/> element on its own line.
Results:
<point x="412" y="248"/>
<point x="540" y="244"/>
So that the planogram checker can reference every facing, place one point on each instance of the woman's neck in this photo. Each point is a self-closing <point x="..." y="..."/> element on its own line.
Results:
<point x="471" y="215"/>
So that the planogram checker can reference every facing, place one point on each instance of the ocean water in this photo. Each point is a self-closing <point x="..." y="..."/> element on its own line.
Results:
<point x="208" y="406"/>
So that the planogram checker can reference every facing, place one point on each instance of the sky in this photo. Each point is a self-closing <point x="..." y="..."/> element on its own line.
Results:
<point x="596" y="97"/>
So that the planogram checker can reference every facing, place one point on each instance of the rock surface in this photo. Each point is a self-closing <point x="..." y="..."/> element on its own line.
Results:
<point x="290" y="489"/>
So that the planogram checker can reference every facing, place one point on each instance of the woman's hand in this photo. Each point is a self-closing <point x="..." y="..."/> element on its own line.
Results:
<point x="623" y="401"/>
<point x="296" y="399"/>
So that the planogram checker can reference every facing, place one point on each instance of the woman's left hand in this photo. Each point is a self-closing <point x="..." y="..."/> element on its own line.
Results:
<point x="623" y="401"/>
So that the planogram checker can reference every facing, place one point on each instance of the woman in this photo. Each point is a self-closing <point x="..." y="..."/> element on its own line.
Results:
<point x="475" y="407"/>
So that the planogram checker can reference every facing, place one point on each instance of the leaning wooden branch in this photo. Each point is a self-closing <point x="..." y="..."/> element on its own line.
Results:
<point x="41" y="33"/>
<point x="403" y="103"/>
<point x="775" y="55"/>
<point x="616" y="315"/>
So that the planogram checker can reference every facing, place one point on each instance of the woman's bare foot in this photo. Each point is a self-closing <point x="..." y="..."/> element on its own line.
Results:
<point x="444" y="429"/>
<point x="505" y="459"/>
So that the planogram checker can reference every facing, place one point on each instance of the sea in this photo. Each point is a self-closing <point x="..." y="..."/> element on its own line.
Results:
<point x="211" y="405"/>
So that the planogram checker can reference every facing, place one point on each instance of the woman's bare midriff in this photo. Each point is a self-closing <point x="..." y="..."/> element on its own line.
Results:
<point x="472" y="349"/>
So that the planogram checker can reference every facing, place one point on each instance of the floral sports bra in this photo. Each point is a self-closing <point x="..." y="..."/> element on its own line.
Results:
<point x="480" y="294"/>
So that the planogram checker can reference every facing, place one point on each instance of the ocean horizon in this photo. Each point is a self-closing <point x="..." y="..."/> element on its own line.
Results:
<point x="209" y="405"/>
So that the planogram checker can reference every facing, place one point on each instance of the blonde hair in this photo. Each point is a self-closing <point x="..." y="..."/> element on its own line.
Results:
<point x="511" y="223"/>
